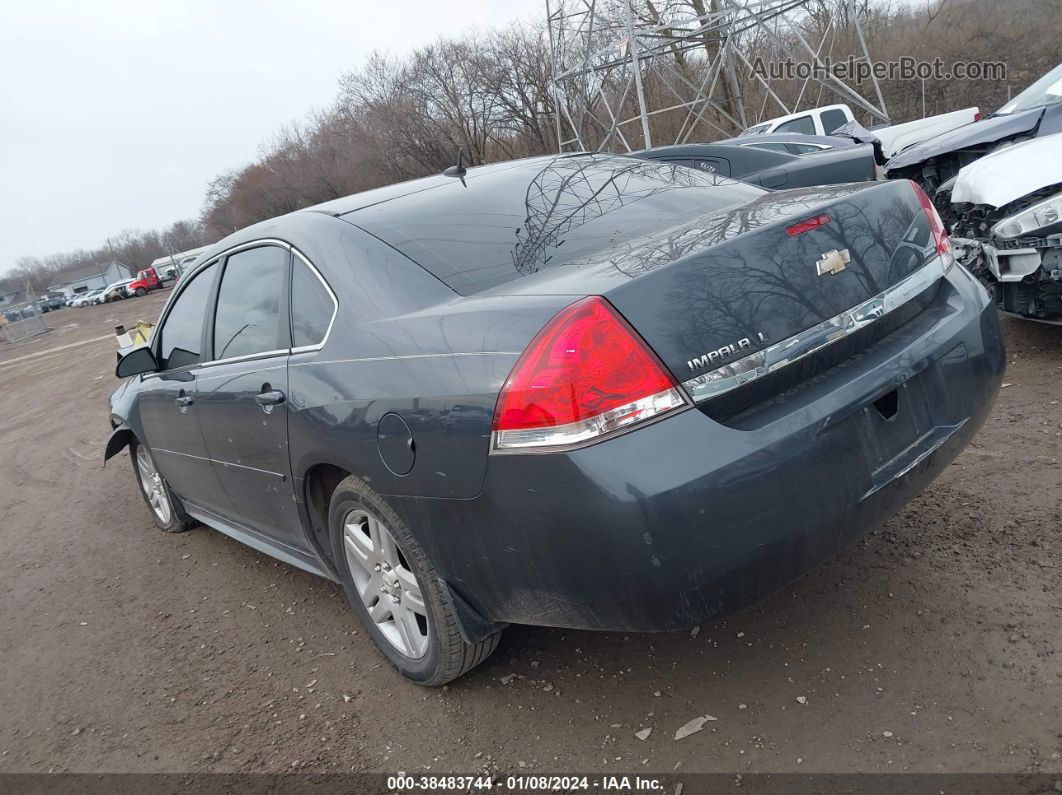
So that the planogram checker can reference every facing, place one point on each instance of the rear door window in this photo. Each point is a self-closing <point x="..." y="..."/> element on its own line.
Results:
<point x="801" y="124"/>
<point x="182" y="332"/>
<point x="832" y="119"/>
<point x="248" y="316"/>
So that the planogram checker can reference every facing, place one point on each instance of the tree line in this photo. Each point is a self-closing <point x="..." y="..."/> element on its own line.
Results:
<point x="131" y="249"/>
<point x="488" y="94"/>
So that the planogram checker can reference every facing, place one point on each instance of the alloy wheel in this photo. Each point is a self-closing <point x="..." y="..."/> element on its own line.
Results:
<point x="387" y="586"/>
<point x="153" y="486"/>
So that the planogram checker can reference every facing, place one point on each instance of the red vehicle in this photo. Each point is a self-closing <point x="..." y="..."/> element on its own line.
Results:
<point x="144" y="282"/>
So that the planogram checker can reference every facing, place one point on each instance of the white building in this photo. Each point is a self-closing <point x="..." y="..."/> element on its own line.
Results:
<point x="88" y="278"/>
<point x="181" y="261"/>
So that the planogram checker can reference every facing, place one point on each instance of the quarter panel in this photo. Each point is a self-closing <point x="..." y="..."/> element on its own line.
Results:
<point x="402" y="342"/>
<point x="723" y="516"/>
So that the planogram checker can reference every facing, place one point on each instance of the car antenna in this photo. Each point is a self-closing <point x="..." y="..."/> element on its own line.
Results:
<point x="458" y="170"/>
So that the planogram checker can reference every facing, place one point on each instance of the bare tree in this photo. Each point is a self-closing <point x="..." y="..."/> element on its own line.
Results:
<point x="488" y="93"/>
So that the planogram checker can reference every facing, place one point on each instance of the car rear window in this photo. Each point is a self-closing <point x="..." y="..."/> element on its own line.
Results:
<point x="832" y="119"/>
<point x="503" y="225"/>
<point x="801" y="124"/>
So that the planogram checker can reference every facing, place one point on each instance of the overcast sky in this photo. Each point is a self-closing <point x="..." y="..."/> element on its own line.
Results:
<point x="114" y="114"/>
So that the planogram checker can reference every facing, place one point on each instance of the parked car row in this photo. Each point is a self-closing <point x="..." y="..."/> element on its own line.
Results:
<point x="781" y="161"/>
<point x="144" y="282"/>
<point x="996" y="180"/>
<point x="50" y="303"/>
<point x="997" y="184"/>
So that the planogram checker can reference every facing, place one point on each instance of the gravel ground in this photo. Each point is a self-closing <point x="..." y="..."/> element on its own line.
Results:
<point x="934" y="645"/>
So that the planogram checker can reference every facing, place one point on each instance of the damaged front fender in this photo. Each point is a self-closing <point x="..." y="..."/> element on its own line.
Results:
<point x="119" y="440"/>
<point x="1011" y="172"/>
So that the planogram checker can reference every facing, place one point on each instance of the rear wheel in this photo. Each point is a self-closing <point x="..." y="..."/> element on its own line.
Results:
<point x="393" y="588"/>
<point x="165" y="508"/>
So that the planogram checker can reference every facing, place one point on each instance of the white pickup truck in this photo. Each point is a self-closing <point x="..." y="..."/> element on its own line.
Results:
<point x="893" y="137"/>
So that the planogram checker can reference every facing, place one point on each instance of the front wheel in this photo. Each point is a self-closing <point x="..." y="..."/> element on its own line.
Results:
<point x="166" y="509"/>
<point x="393" y="588"/>
<point x="141" y="291"/>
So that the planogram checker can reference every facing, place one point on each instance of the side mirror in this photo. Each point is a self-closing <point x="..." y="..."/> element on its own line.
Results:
<point x="137" y="361"/>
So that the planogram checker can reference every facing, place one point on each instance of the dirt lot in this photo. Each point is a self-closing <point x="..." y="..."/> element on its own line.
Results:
<point x="935" y="645"/>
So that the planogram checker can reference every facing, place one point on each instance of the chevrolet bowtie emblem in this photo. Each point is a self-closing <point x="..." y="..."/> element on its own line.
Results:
<point x="833" y="262"/>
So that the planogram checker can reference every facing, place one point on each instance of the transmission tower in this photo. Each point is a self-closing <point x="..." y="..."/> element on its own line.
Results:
<point x="620" y="64"/>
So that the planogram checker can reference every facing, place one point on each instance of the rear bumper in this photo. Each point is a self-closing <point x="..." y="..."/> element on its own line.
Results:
<point x="688" y="519"/>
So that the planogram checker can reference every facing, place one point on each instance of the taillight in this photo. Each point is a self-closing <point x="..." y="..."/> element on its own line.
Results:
<point x="587" y="374"/>
<point x="937" y="232"/>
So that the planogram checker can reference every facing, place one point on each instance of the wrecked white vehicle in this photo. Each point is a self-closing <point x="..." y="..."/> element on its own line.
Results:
<point x="934" y="164"/>
<point x="1007" y="227"/>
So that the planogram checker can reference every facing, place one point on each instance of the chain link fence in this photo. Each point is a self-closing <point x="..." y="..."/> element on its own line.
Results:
<point x="20" y="323"/>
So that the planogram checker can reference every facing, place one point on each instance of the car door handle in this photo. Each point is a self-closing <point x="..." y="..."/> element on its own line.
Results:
<point x="273" y="397"/>
<point x="184" y="401"/>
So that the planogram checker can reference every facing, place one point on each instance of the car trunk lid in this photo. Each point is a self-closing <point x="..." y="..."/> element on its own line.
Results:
<point x="733" y="282"/>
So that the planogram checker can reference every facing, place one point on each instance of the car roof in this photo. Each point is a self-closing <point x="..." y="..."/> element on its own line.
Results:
<point x="808" y="112"/>
<point x="376" y="196"/>
<point x="368" y="198"/>
<point x="432" y="220"/>
<point x="507" y="221"/>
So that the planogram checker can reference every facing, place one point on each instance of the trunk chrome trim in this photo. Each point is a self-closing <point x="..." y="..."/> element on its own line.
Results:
<point x="756" y="365"/>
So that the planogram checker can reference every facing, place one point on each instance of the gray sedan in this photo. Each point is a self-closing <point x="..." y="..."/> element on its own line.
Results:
<point x="584" y="391"/>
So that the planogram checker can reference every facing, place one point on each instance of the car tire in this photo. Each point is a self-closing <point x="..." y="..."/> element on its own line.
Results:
<point x="140" y="291"/>
<point x="420" y="612"/>
<point x="166" y="509"/>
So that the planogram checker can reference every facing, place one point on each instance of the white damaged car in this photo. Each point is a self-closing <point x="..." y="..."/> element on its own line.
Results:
<point x="1007" y="228"/>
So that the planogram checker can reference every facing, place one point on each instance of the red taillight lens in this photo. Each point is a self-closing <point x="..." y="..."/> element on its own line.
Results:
<point x="937" y="231"/>
<point x="585" y="375"/>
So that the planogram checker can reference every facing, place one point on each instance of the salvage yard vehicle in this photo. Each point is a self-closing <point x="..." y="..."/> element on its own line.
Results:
<point x="935" y="163"/>
<point x="793" y="143"/>
<point x="585" y="391"/>
<point x="893" y="138"/>
<point x="773" y="169"/>
<point x="1007" y="208"/>
<point x="171" y="266"/>
<point x="116" y="291"/>
<point x="86" y="298"/>
<point x="145" y="281"/>
<point x="50" y="303"/>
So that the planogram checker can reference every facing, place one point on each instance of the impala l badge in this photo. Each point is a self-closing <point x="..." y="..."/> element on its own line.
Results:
<point x="833" y="262"/>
